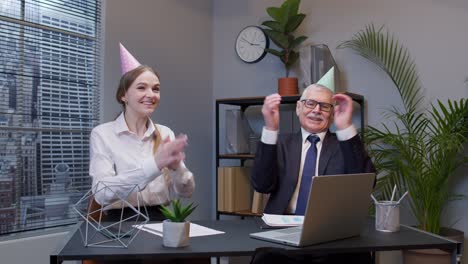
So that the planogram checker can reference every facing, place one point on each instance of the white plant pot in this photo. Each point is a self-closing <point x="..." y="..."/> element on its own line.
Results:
<point x="176" y="234"/>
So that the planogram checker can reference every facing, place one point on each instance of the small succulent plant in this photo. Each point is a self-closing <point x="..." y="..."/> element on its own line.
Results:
<point x="178" y="212"/>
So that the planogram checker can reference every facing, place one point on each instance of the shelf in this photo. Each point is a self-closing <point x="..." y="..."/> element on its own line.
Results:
<point x="236" y="156"/>
<point x="248" y="101"/>
<point x="240" y="213"/>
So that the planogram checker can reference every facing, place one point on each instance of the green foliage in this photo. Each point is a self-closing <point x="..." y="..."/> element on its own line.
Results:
<point x="418" y="148"/>
<point x="286" y="20"/>
<point x="178" y="212"/>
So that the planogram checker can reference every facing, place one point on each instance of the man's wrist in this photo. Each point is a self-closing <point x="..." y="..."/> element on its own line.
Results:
<point x="347" y="133"/>
<point x="269" y="136"/>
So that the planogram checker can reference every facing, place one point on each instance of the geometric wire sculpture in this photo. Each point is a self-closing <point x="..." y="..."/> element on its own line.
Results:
<point x="99" y="233"/>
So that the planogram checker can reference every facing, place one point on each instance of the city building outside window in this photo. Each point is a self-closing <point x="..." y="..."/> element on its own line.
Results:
<point x="49" y="102"/>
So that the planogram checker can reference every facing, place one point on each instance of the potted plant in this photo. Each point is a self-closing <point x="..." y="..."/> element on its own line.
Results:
<point x="176" y="229"/>
<point x="419" y="147"/>
<point x="286" y="20"/>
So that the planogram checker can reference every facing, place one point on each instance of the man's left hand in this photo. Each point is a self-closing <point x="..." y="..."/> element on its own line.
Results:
<point x="343" y="111"/>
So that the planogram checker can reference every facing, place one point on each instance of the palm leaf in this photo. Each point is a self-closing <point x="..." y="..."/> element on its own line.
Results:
<point x="388" y="54"/>
<point x="419" y="149"/>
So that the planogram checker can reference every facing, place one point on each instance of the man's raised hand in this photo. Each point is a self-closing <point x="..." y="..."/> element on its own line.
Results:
<point x="270" y="111"/>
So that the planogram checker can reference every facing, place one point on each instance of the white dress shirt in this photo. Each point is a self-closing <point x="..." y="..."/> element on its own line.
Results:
<point x="121" y="159"/>
<point x="271" y="137"/>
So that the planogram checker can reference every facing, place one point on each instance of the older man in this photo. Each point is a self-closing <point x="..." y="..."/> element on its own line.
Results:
<point x="285" y="164"/>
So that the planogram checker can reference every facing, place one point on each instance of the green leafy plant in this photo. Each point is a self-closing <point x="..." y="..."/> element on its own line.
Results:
<point x="286" y="20"/>
<point x="179" y="212"/>
<point x="419" y="147"/>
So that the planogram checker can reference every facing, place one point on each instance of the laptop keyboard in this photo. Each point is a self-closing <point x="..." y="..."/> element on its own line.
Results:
<point x="289" y="230"/>
<point x="291" y="237"/>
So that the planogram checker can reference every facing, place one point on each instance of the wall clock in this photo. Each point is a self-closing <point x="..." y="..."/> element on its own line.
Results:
<point x="251" y="44"/>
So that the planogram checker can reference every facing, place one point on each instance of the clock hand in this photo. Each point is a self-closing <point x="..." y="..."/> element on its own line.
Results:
<point x="247" y="41"/>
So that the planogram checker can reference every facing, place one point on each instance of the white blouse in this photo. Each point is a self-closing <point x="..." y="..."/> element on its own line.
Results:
<point x="120" y="159"/>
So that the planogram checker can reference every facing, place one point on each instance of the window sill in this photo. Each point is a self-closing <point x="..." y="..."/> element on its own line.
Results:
<point x="51" y="231"/>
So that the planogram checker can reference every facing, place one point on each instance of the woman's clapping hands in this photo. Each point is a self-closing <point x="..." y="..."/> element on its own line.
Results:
<point x="171" y="152"/>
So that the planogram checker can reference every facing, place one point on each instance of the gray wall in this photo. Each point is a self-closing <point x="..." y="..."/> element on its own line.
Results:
<point x="431" y="30"/>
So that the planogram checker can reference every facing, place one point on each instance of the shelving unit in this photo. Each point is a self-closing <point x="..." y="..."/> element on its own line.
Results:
<point x="244" y="103"/>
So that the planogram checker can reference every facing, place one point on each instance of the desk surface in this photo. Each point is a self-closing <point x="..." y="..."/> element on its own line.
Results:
<point x="236" y="242"/>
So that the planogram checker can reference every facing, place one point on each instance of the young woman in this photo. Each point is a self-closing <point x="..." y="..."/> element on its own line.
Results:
<point x="133" y="151"/>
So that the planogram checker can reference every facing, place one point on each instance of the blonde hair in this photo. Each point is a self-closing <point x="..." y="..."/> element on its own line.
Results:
<point x="156" y="138"/>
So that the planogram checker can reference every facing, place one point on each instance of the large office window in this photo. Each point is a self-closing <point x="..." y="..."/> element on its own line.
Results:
<point x="49" y="80"/>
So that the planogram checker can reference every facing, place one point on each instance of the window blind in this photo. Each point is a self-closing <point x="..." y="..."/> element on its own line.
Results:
<point x="49" y="102"/>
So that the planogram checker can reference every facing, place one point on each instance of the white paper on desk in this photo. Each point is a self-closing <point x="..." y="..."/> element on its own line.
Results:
<point x="283" y="220"/>
<point x="195" y="230"/>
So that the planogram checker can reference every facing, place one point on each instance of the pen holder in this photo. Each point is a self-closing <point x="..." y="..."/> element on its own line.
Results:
<point x="387" y="216"/>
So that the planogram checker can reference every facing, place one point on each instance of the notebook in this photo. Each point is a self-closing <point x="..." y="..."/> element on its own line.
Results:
<point x="337" y="208"/>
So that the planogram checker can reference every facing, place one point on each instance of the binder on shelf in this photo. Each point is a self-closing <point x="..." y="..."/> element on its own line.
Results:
<point x="257" y="203"/>
<point x="221" y="191"/>
<point x="237" y="132"/>
<point x="229" y="189"/>
<point x="243" y="190"/>
<point x="235" y="194"/>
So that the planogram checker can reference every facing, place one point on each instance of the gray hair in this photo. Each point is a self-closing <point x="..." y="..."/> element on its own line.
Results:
<point x="314" y="87"/>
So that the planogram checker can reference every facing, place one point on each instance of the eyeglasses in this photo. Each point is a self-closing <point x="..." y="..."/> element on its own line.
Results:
<point x="309" y="103"/>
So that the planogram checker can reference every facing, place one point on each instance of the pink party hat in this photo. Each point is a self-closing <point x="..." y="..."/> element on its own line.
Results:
<point x="127" y="61"/>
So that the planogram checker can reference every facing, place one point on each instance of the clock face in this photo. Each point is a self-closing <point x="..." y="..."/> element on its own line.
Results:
<point x="251" y="44"/>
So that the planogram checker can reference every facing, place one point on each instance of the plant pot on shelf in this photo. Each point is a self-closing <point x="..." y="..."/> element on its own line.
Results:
<point x="433" y="256"/>
<point x="288" y="86"/>
<point x="176" y="234"/>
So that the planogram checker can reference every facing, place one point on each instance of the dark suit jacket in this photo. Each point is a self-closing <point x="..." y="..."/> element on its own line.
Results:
<point x="276" y="167"/>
